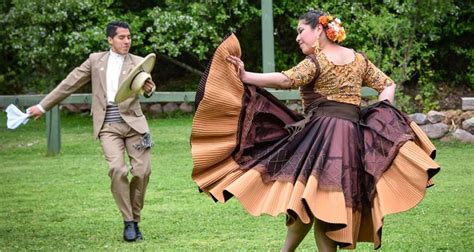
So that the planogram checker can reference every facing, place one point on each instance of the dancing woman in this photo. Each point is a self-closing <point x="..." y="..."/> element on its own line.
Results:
<point x="337" y="167"/>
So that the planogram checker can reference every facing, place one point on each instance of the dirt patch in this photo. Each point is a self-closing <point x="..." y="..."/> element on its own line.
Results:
<point x="454" y="118"/>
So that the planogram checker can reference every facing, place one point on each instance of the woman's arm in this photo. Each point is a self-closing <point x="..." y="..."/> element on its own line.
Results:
<point x="388" y="93"/>
<point x="272" y="80"/>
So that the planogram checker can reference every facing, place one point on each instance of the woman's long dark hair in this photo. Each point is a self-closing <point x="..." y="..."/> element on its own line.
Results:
<point x="312" y="17"/>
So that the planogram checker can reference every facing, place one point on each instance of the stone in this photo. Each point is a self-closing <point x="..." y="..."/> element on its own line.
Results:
<point x="435" y="116"/>
<point x="447" y="138"/>
<point x="70" y="108"/>
<point x="84" y="107"/>
<point x="467" y="103"/>
<point x="463" y="136"/>
<point x="170" y="107"/>
<point x="155" y="109"/>
<point x="466" y="115"/>
<point x="81" y="108"/>
<point x="418" y="118"/>
<point x="186" y="107"/>
<point x="435" y="131"/>
<point x="468" y="125"/>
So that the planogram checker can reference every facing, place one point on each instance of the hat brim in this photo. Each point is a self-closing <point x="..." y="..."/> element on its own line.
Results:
<point x="125" y="88"/>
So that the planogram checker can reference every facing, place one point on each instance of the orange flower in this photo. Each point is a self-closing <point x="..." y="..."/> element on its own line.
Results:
<point x="333" y="24"/>
<point x="341" y="35"/>
<point x="331" y="35"/>
<point x="323" y="20"/>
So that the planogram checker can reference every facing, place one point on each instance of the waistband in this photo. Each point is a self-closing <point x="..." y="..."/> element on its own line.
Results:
<point x="335" y="109"/>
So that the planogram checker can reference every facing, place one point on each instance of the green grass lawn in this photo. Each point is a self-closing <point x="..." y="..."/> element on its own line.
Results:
<point x="63" y="202"/>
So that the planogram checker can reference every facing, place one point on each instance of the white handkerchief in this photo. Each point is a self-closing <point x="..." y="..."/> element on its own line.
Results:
<point x="15" y="117"/>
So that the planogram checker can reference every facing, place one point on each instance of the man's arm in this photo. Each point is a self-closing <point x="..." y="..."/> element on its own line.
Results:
<point x="75" y="79"/>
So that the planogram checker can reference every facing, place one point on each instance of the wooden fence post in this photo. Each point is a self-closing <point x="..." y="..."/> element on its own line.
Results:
<point x="268" y="50"/>
<point x="53" y="130"/>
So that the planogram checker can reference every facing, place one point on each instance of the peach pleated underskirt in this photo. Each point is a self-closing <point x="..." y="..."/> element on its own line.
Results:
<point x="214" y="138"/>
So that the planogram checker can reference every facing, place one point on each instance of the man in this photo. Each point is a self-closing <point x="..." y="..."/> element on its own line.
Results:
<point x="119" y="127"/>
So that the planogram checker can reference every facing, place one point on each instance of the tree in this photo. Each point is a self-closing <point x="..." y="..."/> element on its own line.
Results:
<point x="409" y="40"/>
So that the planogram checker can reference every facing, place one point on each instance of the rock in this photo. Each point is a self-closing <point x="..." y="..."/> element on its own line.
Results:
<point x="170" y="107"/>
<point x="467" y="103"/>
<point x="447" y="138"/>
<point x="186" y="107"/>
<point x="463" y="136"/>
<point x="84" y="107"/>
<point x="155" y="109"/>
<point x="435" y="116"/>
<point x="70" y="108"/>
<point x="468" y="125"/>
<point x="466" y="115"/>
<point x="418" y="118"/>
<point x="435" y="131"/>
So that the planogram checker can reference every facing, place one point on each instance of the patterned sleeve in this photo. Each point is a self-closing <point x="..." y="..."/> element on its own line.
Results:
<point x="375" y="78"/>
<point x="301" y="74"/>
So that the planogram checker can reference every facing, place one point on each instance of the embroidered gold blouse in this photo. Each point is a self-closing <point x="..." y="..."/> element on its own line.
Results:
<point x="341" y="83"/>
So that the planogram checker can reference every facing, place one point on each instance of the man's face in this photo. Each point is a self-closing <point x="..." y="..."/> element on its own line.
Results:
<point x="121" y="42"/>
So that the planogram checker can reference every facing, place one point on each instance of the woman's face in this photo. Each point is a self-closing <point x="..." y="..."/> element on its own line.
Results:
<point x="306" y="37"/>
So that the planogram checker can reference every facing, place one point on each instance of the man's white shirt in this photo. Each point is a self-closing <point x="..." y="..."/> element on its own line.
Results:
<point x="114" y="66"/>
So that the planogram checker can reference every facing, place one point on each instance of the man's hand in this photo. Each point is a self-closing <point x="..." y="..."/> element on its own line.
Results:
<point x="34" y="112"/>
<point x="149" y="86"/>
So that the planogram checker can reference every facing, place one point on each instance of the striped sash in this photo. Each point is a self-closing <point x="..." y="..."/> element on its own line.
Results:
<point x="112" y="114"/>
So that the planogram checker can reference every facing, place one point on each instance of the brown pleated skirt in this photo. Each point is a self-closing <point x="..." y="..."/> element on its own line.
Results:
<point x="346" y="172"/>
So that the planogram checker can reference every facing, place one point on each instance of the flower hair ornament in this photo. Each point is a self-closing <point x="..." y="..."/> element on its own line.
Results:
<point x="334" y="29"/>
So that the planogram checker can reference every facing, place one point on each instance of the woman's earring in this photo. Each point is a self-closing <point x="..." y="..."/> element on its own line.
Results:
<point x="316" y="47"/>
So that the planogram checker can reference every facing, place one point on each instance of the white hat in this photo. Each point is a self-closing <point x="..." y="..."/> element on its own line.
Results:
<point x="135" y="80"/>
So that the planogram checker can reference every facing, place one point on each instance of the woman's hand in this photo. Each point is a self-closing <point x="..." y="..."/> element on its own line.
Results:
<point x="388" y="93"/>
<point x="239" y="65"/>
<point x="271" y="80"/>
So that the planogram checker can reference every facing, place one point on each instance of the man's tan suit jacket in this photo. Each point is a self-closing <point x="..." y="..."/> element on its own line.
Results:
<point x="94" y="70"/>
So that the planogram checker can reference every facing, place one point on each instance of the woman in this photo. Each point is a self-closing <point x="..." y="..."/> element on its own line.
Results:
<point x="337" y="166"/>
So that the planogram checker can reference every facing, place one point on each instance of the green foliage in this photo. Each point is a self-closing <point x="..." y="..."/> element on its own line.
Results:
<point x="404" y="101"/>
<point x="46" y="39"/>
<point x="192" y="30"/>
<point x="417" y="43"/>
<point x="428" y="93"/>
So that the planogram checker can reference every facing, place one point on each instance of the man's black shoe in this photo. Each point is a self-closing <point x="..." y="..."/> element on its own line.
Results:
<point x="129" y="233"/>
<point x="137" y="231"/>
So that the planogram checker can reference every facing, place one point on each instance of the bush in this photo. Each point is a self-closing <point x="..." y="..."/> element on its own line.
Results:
<point x="418" y="43"/>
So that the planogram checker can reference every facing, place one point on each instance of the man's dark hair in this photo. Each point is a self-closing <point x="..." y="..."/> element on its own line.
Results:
<point x="112" y="28"/>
